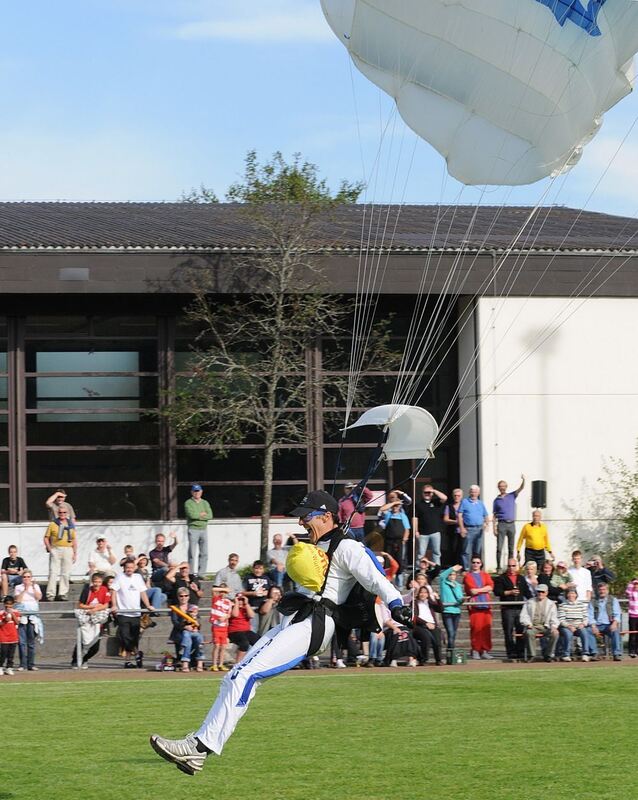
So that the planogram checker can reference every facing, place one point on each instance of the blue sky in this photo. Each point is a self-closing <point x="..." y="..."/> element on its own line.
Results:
<point x="142" y="99"/>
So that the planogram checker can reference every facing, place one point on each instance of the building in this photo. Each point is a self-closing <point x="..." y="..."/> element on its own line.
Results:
<point x="92" y="337"/>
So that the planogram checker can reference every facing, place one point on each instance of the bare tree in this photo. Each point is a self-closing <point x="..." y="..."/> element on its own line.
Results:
<point x="248" y="379"/>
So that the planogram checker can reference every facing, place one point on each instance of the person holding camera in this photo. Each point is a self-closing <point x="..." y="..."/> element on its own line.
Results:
<point x="240" y="632"/>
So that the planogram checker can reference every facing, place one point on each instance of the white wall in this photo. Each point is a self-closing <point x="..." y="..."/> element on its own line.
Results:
<point x="569" y="406"/>
<point x="224" y="536"/>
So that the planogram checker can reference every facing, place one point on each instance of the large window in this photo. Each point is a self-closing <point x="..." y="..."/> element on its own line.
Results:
<point x="91" y="389"/>
<point x="4" y="427"/>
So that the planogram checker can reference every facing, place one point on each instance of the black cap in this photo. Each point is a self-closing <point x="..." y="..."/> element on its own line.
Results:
<point x="316" y="501"/>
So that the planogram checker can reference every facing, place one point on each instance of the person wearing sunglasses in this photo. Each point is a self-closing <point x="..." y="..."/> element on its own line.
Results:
<point x="310" y="620"/>
<point x="61" y="544"/>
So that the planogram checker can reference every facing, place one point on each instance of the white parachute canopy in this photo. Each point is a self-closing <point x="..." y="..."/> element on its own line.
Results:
<point x="508" y="91"/>
<point x="411" y="430"/>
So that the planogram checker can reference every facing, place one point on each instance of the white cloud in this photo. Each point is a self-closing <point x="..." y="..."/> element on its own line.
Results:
<point x="257" y="21"/>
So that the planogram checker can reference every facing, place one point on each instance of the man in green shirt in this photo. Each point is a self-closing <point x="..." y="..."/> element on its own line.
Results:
<point x="198" y="512"/>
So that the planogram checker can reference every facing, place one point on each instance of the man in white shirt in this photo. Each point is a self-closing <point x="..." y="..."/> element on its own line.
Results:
<point x="581" y="577"/>
<point x="127" y="590"/>
<point x="102" y="559"/>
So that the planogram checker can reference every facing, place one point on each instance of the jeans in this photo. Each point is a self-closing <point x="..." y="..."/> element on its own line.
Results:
<point x="473" y="544"/>
<point x="451" y="623"/>
<point x="192" y="640"/>
<point x="277" y="577"/>
<point x="567" y="637"/>
<point x="198" y="538"/>
<point x="613" y="636"/>
<point x="26" y="645"/>
<point x="377" y="643"/>
<point x="433" y="542"/>
<point x="357" y="533"/>
<point x="156" y="596"/>
<point x="504" y="531"/>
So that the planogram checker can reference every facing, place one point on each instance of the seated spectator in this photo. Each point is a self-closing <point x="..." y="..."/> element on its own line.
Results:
<point x="547" y="573"/>
<point x="240" y="630"/>
<point x="256" y="587"/>
<point x="176" y="579"/>
<point x="511" y="587"/>
<point x="632" y="596"/>
<point x="451" y="593"/>
<point x="9" y="620"/>
<point x="605" y="620"/>
<point x="230" y="576"/>
<point x="186" y="634"/>
<point x="129" y="552"/>
<point x="12" y="568"/>
<point x="573" y="621"/>
<point x="561" y="579"/>
<point x="599" y="572"/>
<point x="530" y="573"/>
<point x="156" y="596"/>
<point x="376" y="643"/>
<point x="27" y="596"/>
<point x="277" y="559"/>
<point x="92" y="611"/>
<point x="539" y="617"/>
<point x="269" y="616"/>
<point x="160" y="557"/>
<point x="400" y="644"/>
<point x="426" y="630"/>
<point x="221" y="607"/>
<point x="478" y="585"/>
<point x="102" y="559"/>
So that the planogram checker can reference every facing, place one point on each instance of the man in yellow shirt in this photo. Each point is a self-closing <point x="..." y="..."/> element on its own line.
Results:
<point x="62" y="546"/>
<point x="534" y="535"/>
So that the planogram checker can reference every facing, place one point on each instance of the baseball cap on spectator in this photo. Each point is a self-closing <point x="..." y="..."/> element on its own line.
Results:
<point x="316" y="501"/>
<point x="196" y="488"/>
<point x="350" y="485"/>
<point x="562" y="564"/>
<point x="542" y="587"/>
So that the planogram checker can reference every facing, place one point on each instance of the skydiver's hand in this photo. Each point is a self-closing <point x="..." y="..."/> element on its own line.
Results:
<point x="402" y="615"/>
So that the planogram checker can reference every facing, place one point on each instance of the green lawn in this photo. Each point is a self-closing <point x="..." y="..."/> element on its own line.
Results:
<point x="527" y="733"/>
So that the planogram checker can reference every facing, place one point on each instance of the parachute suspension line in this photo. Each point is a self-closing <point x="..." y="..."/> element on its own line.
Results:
<point x="373" y="465"/>
<point x="550" y="326"/>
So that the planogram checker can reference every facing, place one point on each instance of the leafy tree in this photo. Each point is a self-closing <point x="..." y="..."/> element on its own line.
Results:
<point x="614" y="509"/>
<point x="201" y="195"/>
<point x="248" y="377"/>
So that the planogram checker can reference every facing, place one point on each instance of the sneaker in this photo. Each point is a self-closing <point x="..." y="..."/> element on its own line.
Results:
<point x="20" y="669"/>
<point x="584" y="657"/>
<point x="9" y="670"/>
<point x="129" y="665"/>
<point x="566" y="658"/>
<point x="487" y="656"/>
<point x="181" y="752"/>
<point x="632" y="655"/>
<point x="33" y="669"/>
<point x="223" y="668"/>
<point x="84" y="666"/>
<point x="616" y="658"/>
<point x="139" y="659"/>
<point x="339" y="664"/>
<point x="412" y="662"/>
<point x="476" y="655"/>
<point x="74" y="666"/>
<point x="214" y="668"/>
<point x="393" y="663"/>
<point x="1" y="670"/>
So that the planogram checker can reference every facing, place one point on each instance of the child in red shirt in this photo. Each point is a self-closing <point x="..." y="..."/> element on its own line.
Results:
<point x="9" y="619"/>
<point x="221" y="607"/>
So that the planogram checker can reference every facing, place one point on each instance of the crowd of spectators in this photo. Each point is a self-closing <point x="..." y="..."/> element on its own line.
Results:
<point x="549" y="610"/>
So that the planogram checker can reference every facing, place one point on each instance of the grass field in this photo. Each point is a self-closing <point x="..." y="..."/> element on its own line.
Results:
<point x="526" y="733"/>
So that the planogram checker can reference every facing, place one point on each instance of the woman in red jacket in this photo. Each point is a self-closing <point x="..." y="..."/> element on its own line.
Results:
<point x="478" y="586"/>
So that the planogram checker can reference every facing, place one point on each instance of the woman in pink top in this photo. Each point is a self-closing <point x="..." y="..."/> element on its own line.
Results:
<point x="632" y="594"/>
<point x="27" y="596"/>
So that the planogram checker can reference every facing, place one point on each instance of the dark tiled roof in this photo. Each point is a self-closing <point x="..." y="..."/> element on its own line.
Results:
<point x="180" y="226"/>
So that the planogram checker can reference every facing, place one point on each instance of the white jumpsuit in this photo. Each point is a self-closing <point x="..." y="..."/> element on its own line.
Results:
<point x="286" y="645"/>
